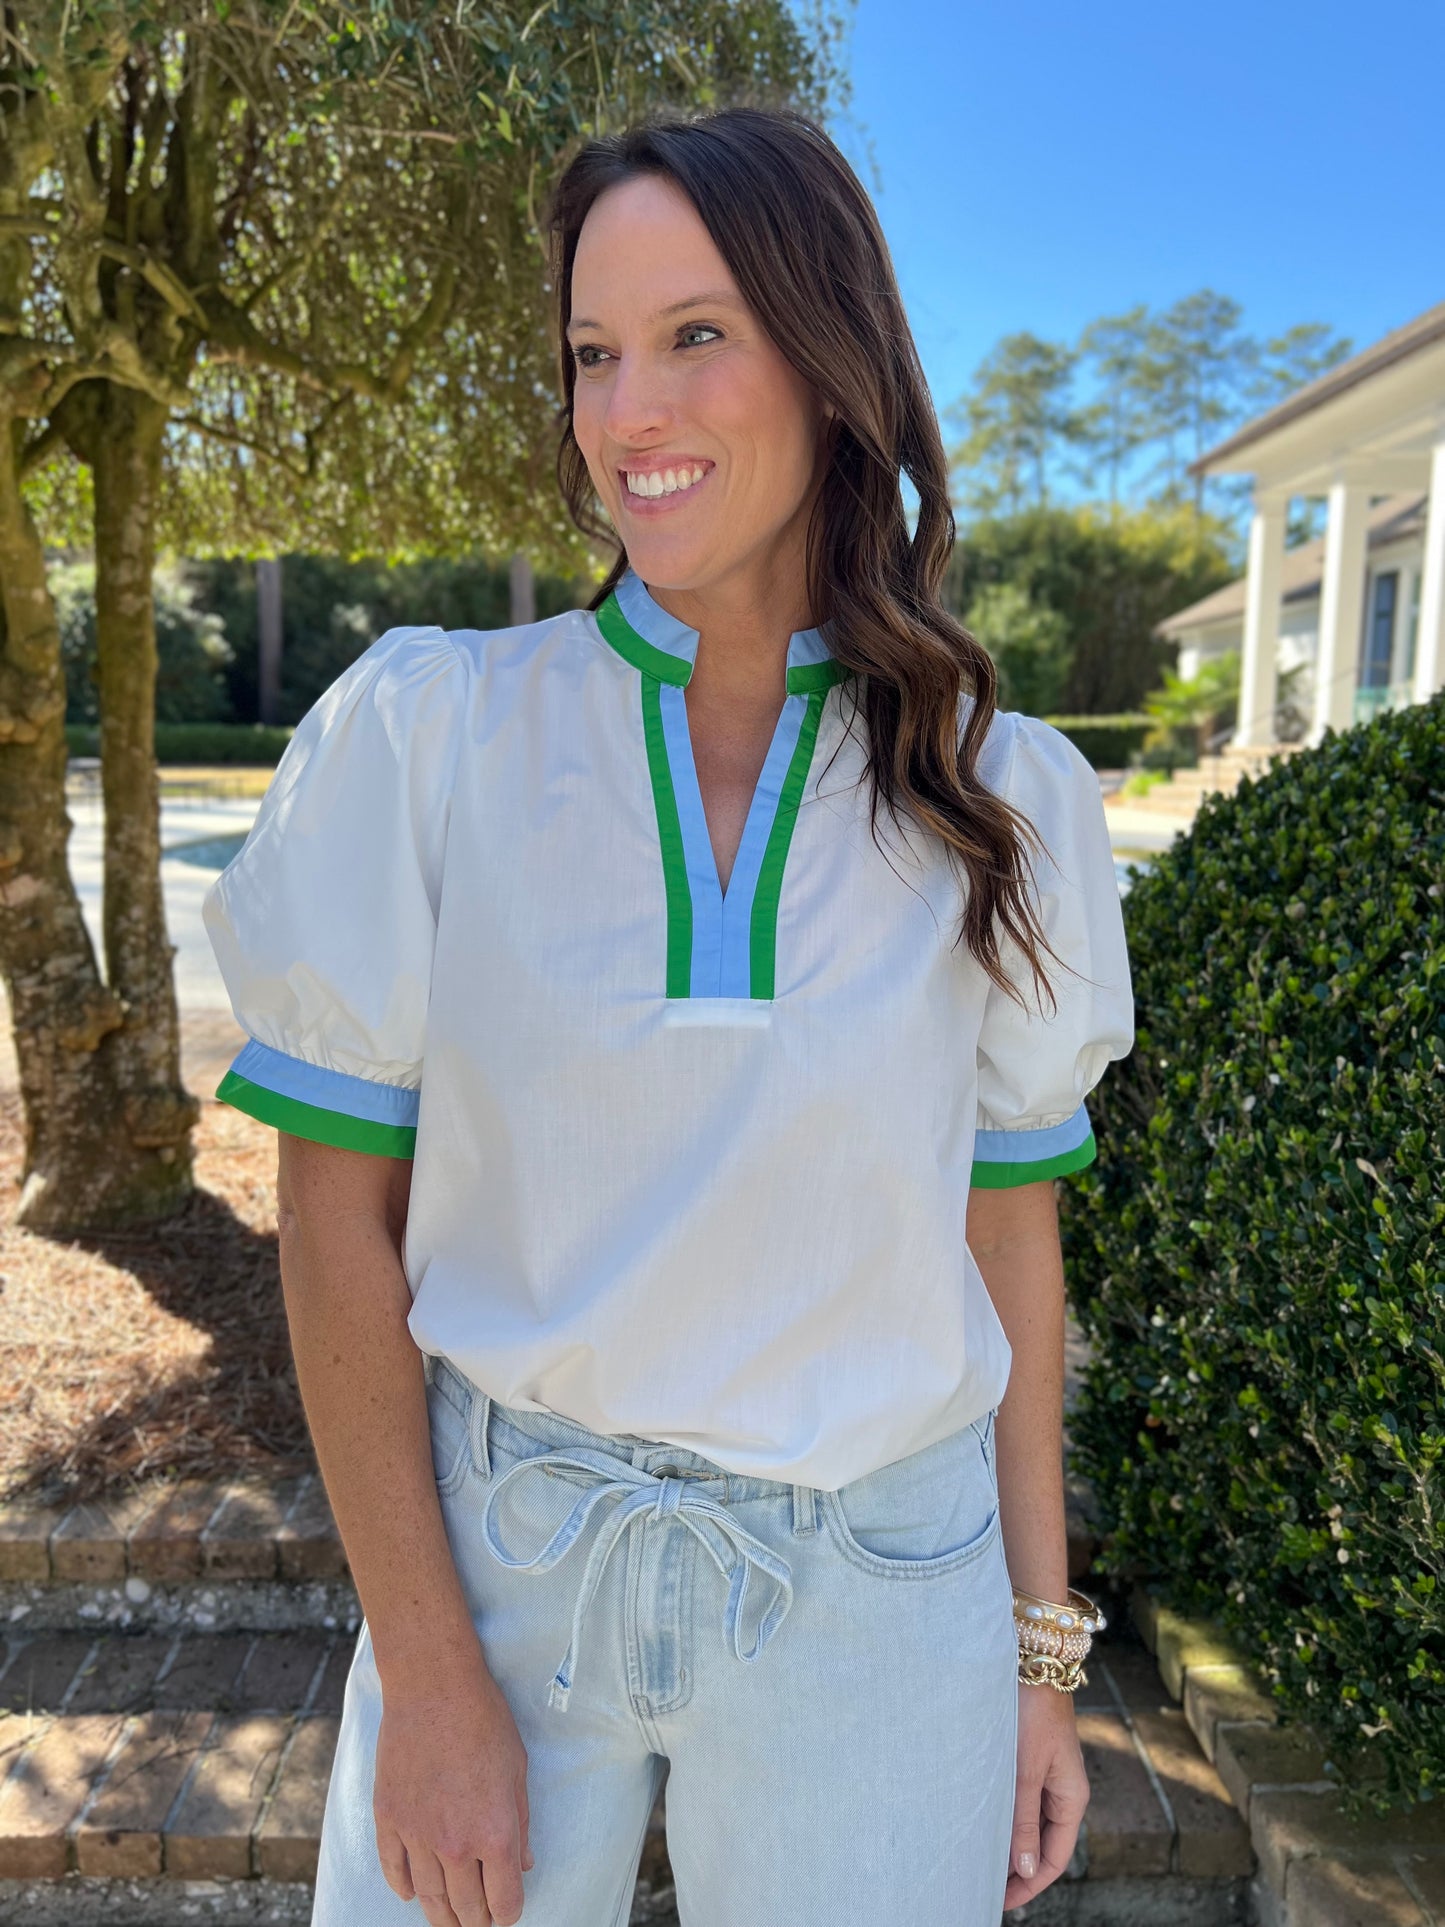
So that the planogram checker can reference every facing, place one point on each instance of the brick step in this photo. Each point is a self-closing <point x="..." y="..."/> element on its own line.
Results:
<point x="1314" y="1867"/>
<point x="1164" y="801"/>
<point x="147" y="1779"/>
<point x="170" y="1529"/>
<point x="1212" y="775"/>
<point x="231" y="1556"/>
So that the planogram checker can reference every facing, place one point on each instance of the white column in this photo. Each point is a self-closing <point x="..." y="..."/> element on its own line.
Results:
<point x="1430" y="642"/>
<point x="1342" y="597"/>
<point x="1259" y="660"/>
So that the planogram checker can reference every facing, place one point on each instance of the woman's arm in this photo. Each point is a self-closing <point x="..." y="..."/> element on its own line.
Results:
<point x="341" y="1215"/>
<point x="451" y="1768"/>
<point x="1013" y="1233"/>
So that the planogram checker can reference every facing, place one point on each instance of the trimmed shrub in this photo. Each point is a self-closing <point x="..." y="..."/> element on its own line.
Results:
<point x="1108" y="742"/>
<point x="1258" y="1255"/>
<point x="240" y="743"/>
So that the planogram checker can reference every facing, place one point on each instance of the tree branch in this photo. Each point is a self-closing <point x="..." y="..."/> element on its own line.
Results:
<point x="164" y="280"/>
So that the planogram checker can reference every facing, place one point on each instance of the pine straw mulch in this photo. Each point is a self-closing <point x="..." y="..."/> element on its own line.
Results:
<point x="162" y="1350"/>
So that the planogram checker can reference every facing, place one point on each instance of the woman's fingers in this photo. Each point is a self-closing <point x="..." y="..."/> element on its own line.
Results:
<point x="524" y="1821"/>
<point x="502" y="1878"/>
<point x="464" y="1890"/>
<point x="429" y="1879"/>
<point x="392" y="1855"/>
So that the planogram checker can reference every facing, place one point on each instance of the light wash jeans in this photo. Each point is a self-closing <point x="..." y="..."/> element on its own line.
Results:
<point x="832" y="1676"/>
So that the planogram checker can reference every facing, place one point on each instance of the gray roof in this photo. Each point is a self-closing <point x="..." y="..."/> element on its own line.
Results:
<point x="1396" y="346"/>
<point x="1391" y="519"/>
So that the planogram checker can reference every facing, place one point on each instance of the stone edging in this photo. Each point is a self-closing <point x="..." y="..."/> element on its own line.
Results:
<point x="176" y="1529"/>
<point x="1315" y="1869"/>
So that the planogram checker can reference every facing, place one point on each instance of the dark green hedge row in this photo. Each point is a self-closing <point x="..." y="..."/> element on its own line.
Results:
<point x="199" y="742"/>
<point x="1107" y="741"/>
<point x="1258" y="1255"/>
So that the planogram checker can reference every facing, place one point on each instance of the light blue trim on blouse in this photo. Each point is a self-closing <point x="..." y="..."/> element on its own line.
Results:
<point x="743" y="883"/>
<point x="722" y="924"/>
<point x="1028" y="1147"/>
<point x="329" y="1090"/>
<point x="665" y="632"/>
<point x="702" y="880"/>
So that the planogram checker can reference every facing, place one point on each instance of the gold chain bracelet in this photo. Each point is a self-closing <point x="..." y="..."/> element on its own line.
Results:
<point x="1054" y="1640"/>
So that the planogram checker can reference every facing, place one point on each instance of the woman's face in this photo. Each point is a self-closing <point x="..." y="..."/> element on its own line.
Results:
<point x="679" y="388"/>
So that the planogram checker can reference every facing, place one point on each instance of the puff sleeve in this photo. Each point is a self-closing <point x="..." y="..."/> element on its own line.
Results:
<point x="324" y="922"/>
<point x="1036" y="1065"/>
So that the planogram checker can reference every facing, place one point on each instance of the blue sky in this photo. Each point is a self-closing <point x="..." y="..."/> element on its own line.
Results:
<point x="1041" y="166"/>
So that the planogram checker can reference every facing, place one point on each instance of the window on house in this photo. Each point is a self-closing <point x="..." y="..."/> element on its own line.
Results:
<point x="1379" y="642"/>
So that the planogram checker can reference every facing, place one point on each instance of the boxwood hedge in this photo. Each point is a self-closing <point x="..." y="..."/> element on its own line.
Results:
<point x="1258" y="1255"/>
<point x="254" y="744"/>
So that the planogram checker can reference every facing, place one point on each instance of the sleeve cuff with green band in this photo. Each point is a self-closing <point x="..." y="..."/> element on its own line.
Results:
<point x="1004" y="1158"/>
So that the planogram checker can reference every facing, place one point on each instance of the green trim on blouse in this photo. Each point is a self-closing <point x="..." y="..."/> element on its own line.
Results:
<point x="312" y="1121"/>
<point x="992" y="1175"/>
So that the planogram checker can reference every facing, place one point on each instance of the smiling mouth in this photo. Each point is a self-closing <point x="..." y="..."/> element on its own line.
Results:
<point x="662" y="484"/>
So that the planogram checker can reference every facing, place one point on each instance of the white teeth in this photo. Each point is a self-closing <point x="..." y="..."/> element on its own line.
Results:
<point x="667" y="481"/>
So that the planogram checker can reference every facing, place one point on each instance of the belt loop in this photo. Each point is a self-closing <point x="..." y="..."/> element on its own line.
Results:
<point x="481" y="1414"/>
<point x="429" y="1367"/>
<point x="805" y="1510"/>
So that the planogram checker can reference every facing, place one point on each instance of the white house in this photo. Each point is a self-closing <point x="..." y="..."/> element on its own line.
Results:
<point x="1364" y="605"/>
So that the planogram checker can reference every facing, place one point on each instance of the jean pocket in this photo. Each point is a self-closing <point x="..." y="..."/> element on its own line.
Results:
<point x="449" y="1415"/>
<point x="926" y="1514"/>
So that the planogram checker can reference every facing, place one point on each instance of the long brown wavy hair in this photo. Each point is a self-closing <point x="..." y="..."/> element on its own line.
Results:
<point x="803" y="243"/>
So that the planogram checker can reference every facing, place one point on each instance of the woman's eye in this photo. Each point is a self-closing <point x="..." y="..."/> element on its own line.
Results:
<point x="580" y="355"/>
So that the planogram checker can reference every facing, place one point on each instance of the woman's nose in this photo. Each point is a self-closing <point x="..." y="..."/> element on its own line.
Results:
<point x="638" y="401"/>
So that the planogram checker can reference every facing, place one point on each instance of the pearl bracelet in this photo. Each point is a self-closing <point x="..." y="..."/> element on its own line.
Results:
<point x="1054" y="1640"/>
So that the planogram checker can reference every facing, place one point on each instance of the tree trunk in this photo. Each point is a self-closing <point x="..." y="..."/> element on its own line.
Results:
<point x="108" y="1120"/>
<point x="61" y="1012"/>
<point x="269" y="629"/>
<point x="523" y="590"/>
<point x="154" y="1177"/>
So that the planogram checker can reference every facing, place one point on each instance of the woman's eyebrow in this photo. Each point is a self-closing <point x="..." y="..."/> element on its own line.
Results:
<point x="709" y="298"/>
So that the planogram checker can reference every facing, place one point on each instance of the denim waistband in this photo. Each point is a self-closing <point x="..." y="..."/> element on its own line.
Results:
<point x="689" y="1487"/>
<point x="643" y="1478"/>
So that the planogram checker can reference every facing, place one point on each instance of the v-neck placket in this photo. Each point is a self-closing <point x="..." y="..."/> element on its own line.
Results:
<point x="720" y="945"/>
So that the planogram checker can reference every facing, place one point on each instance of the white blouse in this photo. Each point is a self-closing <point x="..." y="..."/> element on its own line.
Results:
<point x="689" y="1165"/>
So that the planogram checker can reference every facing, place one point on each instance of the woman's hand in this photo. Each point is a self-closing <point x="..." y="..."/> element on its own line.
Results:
<point x="1051" y="1792"/>
<point x="450" y="1801"/>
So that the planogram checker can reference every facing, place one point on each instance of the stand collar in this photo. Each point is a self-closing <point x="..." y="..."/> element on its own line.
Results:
<point x="658" y="644"/>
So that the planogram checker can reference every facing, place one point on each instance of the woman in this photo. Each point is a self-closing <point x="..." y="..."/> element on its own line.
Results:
<point x="656" y="1306"/>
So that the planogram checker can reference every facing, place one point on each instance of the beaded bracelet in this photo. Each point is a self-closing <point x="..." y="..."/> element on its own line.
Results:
<point x="1054" y="1640"/>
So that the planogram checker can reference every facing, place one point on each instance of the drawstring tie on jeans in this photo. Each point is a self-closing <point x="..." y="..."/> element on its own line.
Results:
<point x="642" y="1495"/>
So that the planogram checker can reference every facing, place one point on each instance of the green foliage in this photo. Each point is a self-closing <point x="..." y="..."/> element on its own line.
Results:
<point x="1029" y="645"/>
<point x="1109" y="742"/>
<point x="1142" y="781"/>
<point x="1110" y="576"/>
<point x="1015" y="415"/>
<point x="331" y="610"/>
<point x="193" y="655"/>
<point x="322" y="249"/>
<point x="254" y="745"/>
<point x="1162" y="387"/>
<point x="1194" y="706"/>
<point x="1258" y="1255"/>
